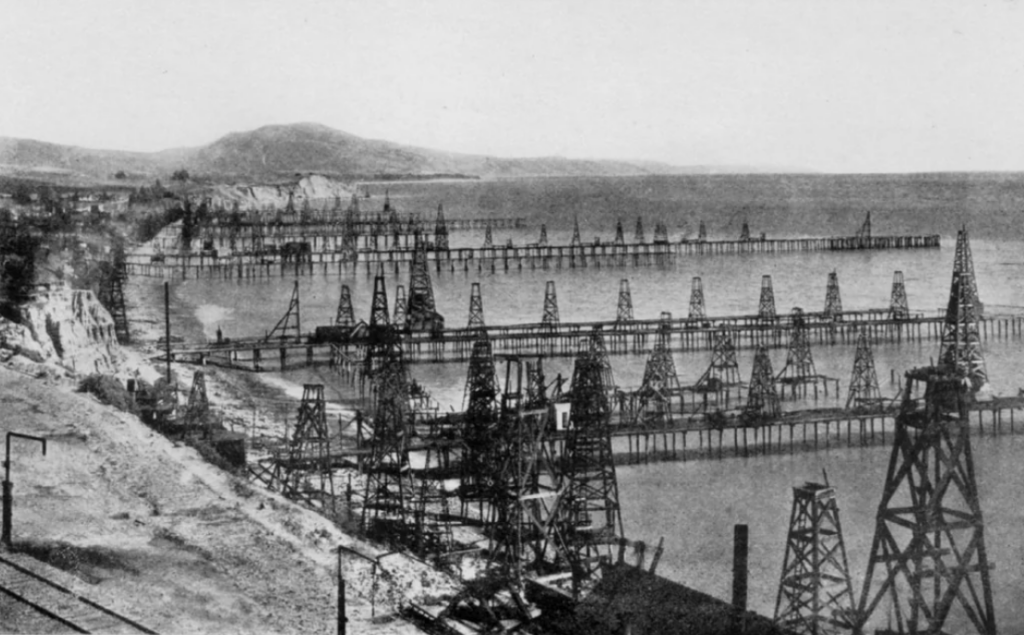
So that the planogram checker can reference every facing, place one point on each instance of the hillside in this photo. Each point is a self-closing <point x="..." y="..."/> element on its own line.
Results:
<point x="272" y="152"/>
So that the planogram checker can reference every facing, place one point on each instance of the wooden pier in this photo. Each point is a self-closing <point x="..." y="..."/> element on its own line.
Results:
<point x="325" y="255"/>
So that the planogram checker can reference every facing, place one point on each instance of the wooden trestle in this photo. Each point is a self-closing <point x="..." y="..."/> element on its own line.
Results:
<point x="326" y="256"/>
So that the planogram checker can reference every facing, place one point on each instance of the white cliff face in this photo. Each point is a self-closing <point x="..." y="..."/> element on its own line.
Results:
<point x="314" y="188"/>
<point x="66" y="328"/>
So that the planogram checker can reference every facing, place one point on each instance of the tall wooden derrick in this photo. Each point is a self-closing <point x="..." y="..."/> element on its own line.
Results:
<point x="590" y="512"/>
<point x="620" y="238"/>
<point x="864" y="233"/>
<point x="766" y="305"/>
<point x="290" y="325"/>
<point x="697" y="310"/>
<point x="961" y="342"/>
<point x="721" y="376"/>
<point x="550" y="316"/>
<point x="624" y="312"/>
<point x="398" y="318"/>
<point x="432" y="517"/>
<point x="815" y="592"/>
<point x="476" y="307"/>
<point x="833" y="301"/>
<point x="488" y="238"/>
<point x="421" y="314"/>
<point x="576" y="241"/>
<point x="440" y="230"/>
<point x="660" y="234"/>
<point x="745" y="232"/>
<point x="899" y="309"/>
<point x="638" y="234"/>
<point x="479" y="425"/>
<point x="928" y="554"/>
<point x="702" y="232"/>
<point x="660" y="384"/>
<point x="799" y="371"/>
<point x="864" y="392"/>
<point x="762" y="398"/>
<point x="307" y="474"/>
<point x="197" y="412"/>
<point x="379" y="331"/>
<point x="543" y="240"/>
<point x="118" y="309"/>
<point x="346" y="316"/>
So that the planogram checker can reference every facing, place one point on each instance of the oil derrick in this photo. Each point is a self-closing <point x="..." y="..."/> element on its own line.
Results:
<point x="479" y="423"/>
<point x="638" y="235"/>
<point x="815" y="592"/>
<point x="440" y="230"/>
<point x="289" y="207"/>
<point x="476" y="307"/>
<point x="197" y="412"/>
<point x="118" y="310"/>
<point x="659" y="384"/>
<point x="864" y="233"/>
<point x="625" y="309"/>
<point x="928" y="554"/>
<point x="308" y="472"/>
<point x="421" y="315"/>
<point x="543" y="240"/>
<point x="660" y="233"/>
<point x="346" y="316"/>
<point x="697" y="311"/>
<point x="724" y="369"/>
<point x="398" y="318"/>
<point x="864" y="381"/>
<point x="833" y="302"/>
<point x="488" y="238"/>
<point x="550" y="317"/>
<point x="575" y="242"/>
<point x="388" y="503"/>
<point x="379" y="316"/>
<point x="620" y="240"/>
<point x="289" y="325"/>
<point x="799" y="368"/>
<point x="702" y="232"/>
<point x="383" y="339"/>
<point x="961" y="343"/>
<point x="898" y="307"/>
<point x="766" y="306"/>
<point x="590" y="512"/>
<point x="350" y="229"/>
<point x="257" y="238"/>
<point x="536" y="390"/>
<point x="762" y="399"/>
<point x="745" y="232"/>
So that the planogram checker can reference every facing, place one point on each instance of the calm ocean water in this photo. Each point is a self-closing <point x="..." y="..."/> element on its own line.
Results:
<point x="694" y="504"/>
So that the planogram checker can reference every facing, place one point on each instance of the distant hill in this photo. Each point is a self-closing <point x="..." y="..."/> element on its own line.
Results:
<point x="274" y="152"/>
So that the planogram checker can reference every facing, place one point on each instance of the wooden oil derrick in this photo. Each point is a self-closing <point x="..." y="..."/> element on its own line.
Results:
<point x="308" y="474"/>
<point x="625" y="308"/>
<point x="864" y="233"/>
<point x="197" y="413"/>
<point x="388" y="510"/>
<point x="899" y="309"/>
<point x="762" y="399"/>
<point x="961" y="341"/>
<point x="476" y="307"/>
<point x="864" y="392"/>
<point x="118" y="309"/>
<point x="398" y="318"/>
<point x="576" y="241"/>
<point x="721" y="376"/>
<point x="421" y="314"/>
<point x="432" y="518"/>
<point x="536" y="389"/>
<point x="381" y="335"/>
<point x="590" y="517"/>
<point x="815" y="592"/>
<point x="766" y="305"/>
<point x="702" y="232"/>
<point x="660" y="384"/>
<point x="543" y="240"/>
<point x="833" y="301"/>
<point x="550" y="316"/>
<point x="799" y="369"/>
<point x="258" y="246"/>
<point x="745" y="232"/>
<point x="346" y="316"/>
<point x="697" y="310"/>
<point x="928" y="554"/>
<point x="488" y="238"/>
<point x="480" y="404"/>
<point x="638" y="234"/>
<point x="440" y="230"/>
<point x="289" y="325"/>
<point x="379" y="316"/>
<point x="620" y="239"/>
<point x="660" y="234"/>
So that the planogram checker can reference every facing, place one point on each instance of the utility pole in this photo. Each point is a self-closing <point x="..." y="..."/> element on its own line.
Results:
<point x="8" y="496"/>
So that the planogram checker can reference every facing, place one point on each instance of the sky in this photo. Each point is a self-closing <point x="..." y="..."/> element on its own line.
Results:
<point x="865" y="86"/>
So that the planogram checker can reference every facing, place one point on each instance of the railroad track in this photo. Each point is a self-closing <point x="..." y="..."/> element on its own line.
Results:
<point x="60" y="604"/>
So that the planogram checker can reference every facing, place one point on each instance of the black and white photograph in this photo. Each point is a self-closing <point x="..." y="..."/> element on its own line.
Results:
<point x="561" y="317"/>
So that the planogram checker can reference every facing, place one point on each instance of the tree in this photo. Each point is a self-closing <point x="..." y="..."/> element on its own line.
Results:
<point x="180" y="175"/>
<point x="120" y="175"/>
